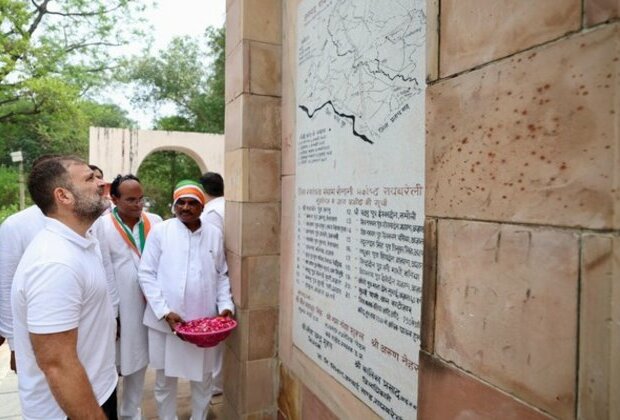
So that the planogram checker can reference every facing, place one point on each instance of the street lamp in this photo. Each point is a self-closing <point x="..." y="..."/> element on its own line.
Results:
<point x="18" y="157"/>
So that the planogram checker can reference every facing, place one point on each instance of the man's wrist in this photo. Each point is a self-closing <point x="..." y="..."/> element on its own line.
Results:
<point x="162" y="313"/>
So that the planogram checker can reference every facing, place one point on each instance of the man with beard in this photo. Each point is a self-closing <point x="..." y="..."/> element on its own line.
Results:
<point x="184" y="276"/>
<point x="63" y="320"/>
<point x="122" y="235"/>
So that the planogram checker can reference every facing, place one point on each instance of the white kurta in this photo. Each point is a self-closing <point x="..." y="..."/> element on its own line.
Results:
<point x="184" y="272"/>
<point x="122" y="269"/>
<point x="214" y="212"/>
<point x="16" y="233"/>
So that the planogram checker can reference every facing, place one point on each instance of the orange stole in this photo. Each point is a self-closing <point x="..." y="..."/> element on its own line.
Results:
<point x="124" y="234"/>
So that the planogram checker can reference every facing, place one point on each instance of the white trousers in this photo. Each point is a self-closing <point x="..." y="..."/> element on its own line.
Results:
<point x="166" y="396"/>
<point x="218" y="387"/>
<point x="131" y="400"/>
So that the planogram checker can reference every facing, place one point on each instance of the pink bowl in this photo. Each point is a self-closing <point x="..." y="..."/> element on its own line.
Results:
<point x="205" y="339"/>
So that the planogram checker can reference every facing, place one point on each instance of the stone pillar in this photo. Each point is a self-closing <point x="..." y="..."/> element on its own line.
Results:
<point x="252" y="162"/>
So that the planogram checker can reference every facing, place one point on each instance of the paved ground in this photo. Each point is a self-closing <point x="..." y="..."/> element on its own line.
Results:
<point x="10" y="408"/>
<point x="9" y="400"/>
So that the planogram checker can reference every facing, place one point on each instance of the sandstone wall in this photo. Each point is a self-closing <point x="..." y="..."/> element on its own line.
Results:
<point x="521" y="300"/>
<point x="252" y="231"/>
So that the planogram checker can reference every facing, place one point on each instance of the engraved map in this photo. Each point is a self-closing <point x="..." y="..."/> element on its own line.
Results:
<point x="359" y="59"/>
<point x="359" y="195"/>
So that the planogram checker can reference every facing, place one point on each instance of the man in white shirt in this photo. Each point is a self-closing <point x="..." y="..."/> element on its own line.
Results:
<point x="183" y="275"/>
<point x="63" y="321"/>
<point x="16" y="233"/>
<point x="122" y="234"/>
<point x="213" y="213"/>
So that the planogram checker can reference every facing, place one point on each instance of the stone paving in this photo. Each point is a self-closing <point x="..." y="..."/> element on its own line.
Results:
<point x="9" y="400"/>
<point x="10" y="407"/>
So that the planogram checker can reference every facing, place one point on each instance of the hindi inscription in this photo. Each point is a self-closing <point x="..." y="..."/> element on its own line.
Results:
<point x="360" y="195"/>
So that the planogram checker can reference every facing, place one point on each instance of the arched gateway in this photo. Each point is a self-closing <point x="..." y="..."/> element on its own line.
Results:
<point x="121" y="151"/>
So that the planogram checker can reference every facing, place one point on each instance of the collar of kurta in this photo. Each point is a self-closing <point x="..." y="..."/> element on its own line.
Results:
<point x="144" y="227"/>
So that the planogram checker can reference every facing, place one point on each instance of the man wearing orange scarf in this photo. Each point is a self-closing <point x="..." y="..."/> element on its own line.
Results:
<point x="122" y="234"/>
<point x="184" y="276"/>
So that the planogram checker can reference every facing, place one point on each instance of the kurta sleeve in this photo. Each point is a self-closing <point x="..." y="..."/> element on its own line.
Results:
<point x="224" y="298"/>
<point x="147" y="273"/>
<point x="104" y="246"/>
<point x="11" y="251"/>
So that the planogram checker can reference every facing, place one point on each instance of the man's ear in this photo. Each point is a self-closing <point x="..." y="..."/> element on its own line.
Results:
<point x="62" y="196"/>
<point x="114" y="199"/>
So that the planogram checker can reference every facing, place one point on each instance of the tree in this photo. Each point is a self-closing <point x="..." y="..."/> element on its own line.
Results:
<point x="160" y="172"/>
<point x="178" y="75"/>
<point x="53" y="54"/>
<point x="106" y="115"/>
<point x="54" y="51"/>
<point x="64" y="131"/>
<point x="9" y="191"/>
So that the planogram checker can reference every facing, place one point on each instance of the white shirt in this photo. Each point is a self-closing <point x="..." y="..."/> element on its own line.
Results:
<point x="214" y="212"/>
<point x="121" y="264"/>
<point x="16" y="233"/>
<point x="184" y="272"/>
<point x="60" y="285"/>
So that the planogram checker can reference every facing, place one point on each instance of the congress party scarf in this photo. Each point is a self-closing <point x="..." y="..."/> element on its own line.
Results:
<point x="144" y="226"/>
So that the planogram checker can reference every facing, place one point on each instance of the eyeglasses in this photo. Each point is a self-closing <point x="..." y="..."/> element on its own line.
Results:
<point x="133" y="201"/>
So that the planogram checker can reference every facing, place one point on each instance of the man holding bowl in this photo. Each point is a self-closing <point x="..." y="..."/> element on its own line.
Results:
<point x="184" y="276"/>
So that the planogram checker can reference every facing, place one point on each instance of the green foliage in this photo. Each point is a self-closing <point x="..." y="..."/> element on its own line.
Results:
<point x="159" y="173"/>
<point x="53" y="53"/>
<point x="106" y="115"/>
<point x="7" y="210"/>
<point x="64" y="131"/>
<point x="9" y="191"/>
<point x="173" y="123"/>
<point x="178" y="75"/>
<point x="9" y="187"/>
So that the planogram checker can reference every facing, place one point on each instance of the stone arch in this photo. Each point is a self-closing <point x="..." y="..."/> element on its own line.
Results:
<point x="122" y="151"/>
<point x="186" y="150"/>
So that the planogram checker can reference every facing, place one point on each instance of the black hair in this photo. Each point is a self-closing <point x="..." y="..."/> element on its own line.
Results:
<point x="96" y="168"/>
<point x="213" y="184"/>
<point x="43" y="158"/>
<point x="46" y="176"/>
<point x="115" y="186"/>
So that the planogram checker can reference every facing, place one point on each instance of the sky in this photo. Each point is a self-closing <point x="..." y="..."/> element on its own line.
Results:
<point x="171" y="18"/>
<point x="184" y="17"/>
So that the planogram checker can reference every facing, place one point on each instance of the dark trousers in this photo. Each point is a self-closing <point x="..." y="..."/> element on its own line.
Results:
<point x="109" y="407"/>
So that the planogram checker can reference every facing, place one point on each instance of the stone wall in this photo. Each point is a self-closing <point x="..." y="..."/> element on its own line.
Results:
<point x="522" y="253"/>
<point x="523" y="200"/>
<point x="252" y="231"/>
<point x="122" y="150"/>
